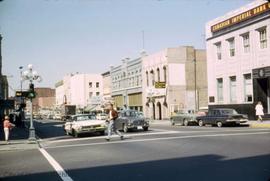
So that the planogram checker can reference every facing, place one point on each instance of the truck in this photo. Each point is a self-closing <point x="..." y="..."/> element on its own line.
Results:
<point x="67" y="111"/>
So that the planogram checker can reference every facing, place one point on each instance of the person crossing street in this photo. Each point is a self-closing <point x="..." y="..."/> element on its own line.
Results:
<point x="113" y="115"/>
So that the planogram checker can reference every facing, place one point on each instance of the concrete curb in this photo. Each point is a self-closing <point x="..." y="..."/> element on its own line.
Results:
<point x="259" y="125"/>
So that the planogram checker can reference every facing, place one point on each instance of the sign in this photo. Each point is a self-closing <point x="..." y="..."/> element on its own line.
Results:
<point x="241" y="17"/>
<point x="160" y="85"/>
<point x="22" y="93"/>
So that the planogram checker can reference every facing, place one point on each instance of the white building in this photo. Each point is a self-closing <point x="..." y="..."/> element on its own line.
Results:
<point x="174" y="79"/>
<point x="238" y="52"/>
<point x="127" y="84"/>
<point x="81" y="90"/>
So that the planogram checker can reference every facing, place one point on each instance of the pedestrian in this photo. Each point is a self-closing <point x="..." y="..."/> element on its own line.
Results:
<point x="259" y="110"/>
<point x="7" y="127"/>
<point x="113" y="115"/>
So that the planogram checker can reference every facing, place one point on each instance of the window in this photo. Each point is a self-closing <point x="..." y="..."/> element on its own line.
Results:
<point x="233" y="89"/>
<point x="147" y="79"/>
<point x="218" y="47"/>
<point x="220" y="89"/>
<point x="90" y="85"/>
<point x="158" y="74"/>
<point x="232" y="47"/>
<point x="165" y="74"/>
<point x="90" y="94"/>
<point x="246" y="43"/>
<point x="263" y="38"/>
<point x="247" y="88"/>
<point x="153" y="77"/>
<point x="97" y="93"/>
<point x="97" y="84"/>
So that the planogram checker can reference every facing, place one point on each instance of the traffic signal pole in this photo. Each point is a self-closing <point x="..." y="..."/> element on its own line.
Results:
<point x="32" y="134"/>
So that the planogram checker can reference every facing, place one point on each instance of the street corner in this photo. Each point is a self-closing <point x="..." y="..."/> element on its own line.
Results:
<point x="264" y="124"/>
<point x="17" y="145"/>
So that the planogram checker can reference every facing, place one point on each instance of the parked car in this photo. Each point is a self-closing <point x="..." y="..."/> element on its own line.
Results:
<point x="84" y="123"/>
<point x="57" y="117"/>
<point x="102" y="116"/>
<point x="131" y="120"/>
<point x="184" y="117"/>
<point x="222" y="117"/>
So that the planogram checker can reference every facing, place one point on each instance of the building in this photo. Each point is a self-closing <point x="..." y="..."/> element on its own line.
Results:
<point x="238" y="52"/>
<point x="107" y="87"/>
<point x="45" y="99"/>
<point x="4" y="102"/>
<point x="127" y="84"/>
<point x="82" y="90"/>
<point x="174" y="79"/>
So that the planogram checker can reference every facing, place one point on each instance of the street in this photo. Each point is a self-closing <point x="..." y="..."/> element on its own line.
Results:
<point x="162" y="153"/>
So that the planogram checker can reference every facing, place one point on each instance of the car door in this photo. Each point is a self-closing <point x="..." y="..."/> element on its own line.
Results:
<point x="119" y="121"/>
<point x="209" y="117"/>
<point x="68" y="124"/>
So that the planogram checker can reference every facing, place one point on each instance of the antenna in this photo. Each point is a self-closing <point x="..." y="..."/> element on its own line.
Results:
<point x="143" y="39"/>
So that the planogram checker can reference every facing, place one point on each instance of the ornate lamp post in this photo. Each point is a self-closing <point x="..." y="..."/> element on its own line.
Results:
<point x="31" y="76"/>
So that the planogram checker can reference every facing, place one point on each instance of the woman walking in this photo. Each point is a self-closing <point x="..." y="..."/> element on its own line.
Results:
<point x="7" y="126"/>
<point x="259" y="111"/>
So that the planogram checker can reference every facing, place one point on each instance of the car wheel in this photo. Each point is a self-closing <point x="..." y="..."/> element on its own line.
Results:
<point x="102" y="132"/>
<point x="125" y="128"/>
<point x="185" y="122"/>
<point x="145" y="128"/>
<point x="201" y="123"/>
<point x="219" y="124"/>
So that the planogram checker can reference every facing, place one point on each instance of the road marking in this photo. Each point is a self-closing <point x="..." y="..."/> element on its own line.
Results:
<point x="57" y="167"/>
<point x="146" y="134"/>
<point x="159" y="139"/>
<point x="114" y="136"/>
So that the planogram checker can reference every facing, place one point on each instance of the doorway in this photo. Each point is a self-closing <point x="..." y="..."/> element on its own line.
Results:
<point x="263" y="93"/>
<point x="154" y="111"/>
<point x="159" y="111"/>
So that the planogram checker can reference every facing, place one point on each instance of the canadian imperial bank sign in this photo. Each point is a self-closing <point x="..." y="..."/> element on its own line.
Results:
<point x="241" y="17"/>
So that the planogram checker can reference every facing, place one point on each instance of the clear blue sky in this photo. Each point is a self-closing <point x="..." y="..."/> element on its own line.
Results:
<point x="87" y="36"/>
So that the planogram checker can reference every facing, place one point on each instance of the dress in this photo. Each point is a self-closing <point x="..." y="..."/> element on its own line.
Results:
<point x="259" y="110"/>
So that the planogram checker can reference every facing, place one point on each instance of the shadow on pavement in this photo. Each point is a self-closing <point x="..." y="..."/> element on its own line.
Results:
<point x="197" y="168"/>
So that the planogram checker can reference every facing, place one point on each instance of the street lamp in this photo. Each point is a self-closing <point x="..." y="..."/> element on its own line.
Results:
<point x="31" y="76"/>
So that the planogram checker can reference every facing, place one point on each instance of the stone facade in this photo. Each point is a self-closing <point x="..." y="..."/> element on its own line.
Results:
<point x="127" y="84"/>
<point x="176" y="68"/>
<point x="237" y="54"/>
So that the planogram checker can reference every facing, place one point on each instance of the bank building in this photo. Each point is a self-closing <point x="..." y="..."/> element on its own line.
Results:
<point x="238" y="59"/>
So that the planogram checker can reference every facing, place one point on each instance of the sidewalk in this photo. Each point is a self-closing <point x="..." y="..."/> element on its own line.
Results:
<point x="18" y="140"/>
<point x="256" y="124"/>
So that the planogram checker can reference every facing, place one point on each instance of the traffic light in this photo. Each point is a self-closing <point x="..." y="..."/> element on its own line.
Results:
<point x="31" y="93"/>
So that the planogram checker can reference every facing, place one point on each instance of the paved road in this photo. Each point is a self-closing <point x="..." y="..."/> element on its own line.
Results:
<point x="162" y="153"/>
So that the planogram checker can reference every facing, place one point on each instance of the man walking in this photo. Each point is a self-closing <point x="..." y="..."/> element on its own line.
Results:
<point x="111" y="126"/>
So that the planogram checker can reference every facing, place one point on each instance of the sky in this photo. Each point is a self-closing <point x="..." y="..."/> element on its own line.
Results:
<point x="88" y="36"/>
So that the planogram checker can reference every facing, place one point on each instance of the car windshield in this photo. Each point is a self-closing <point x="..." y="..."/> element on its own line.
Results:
<point x="185" y="112"/>
<point x="85" y="117"/>
<point x="131" y="114"/>
<point x="228" y="111"/>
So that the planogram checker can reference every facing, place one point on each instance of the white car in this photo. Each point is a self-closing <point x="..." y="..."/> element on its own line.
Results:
<point x="84" y="123"/>
<point x="102" y="116"/>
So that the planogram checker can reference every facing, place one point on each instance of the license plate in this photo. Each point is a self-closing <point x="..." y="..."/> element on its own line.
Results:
<point x="139" y="127"/>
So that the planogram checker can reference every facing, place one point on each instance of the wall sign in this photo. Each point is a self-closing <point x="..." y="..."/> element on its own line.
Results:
<point x="241" y="17"/>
